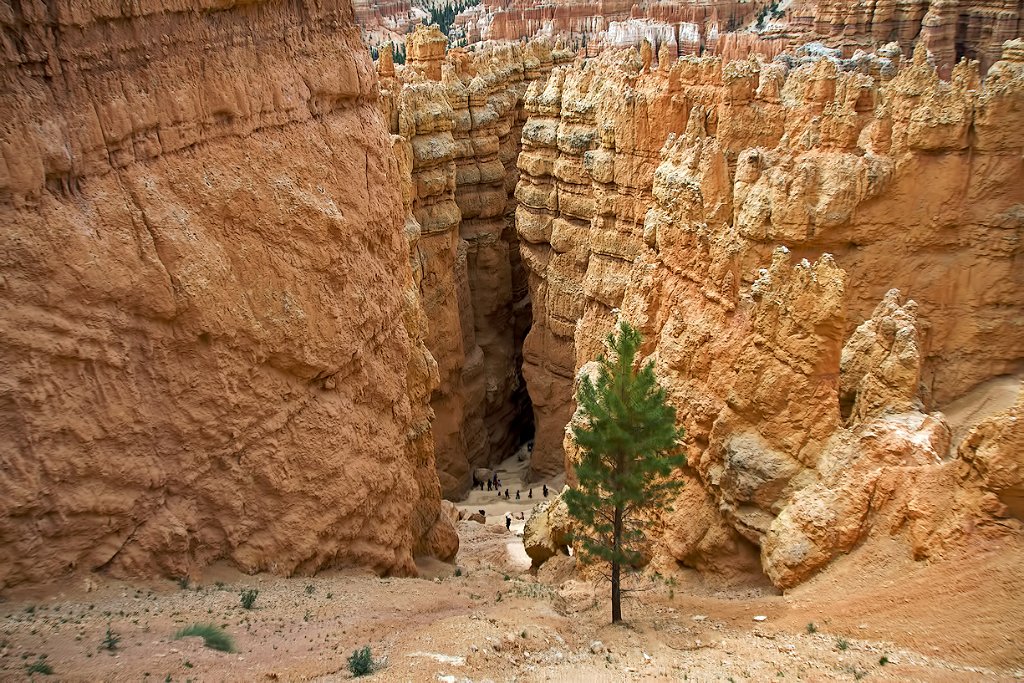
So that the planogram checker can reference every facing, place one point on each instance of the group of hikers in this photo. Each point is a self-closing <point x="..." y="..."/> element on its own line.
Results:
<point x="494" y="484"/>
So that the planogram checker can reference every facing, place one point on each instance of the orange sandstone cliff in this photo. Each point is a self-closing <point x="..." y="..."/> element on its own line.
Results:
<point x="212" y="341"/>
<point x="818" y="259"/>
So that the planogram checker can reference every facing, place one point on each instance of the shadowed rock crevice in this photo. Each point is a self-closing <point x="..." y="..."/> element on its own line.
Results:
<point x="458" y="117"/>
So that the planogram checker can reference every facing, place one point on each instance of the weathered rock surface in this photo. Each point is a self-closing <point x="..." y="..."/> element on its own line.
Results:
<point x="547" y="531"/>
<point x="211" y="339"/>
<point x="804" y="397"/>
<point x="950" y="29"/>
<point x="458" y="117"/>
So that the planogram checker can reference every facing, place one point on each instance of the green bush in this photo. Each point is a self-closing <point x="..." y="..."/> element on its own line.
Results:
<point x="213" y="637"/>
<point x="361" y="662"/>
<point x="111" y="640"/>
<point x="40" y="667"/>
<point x="248" y="597"/>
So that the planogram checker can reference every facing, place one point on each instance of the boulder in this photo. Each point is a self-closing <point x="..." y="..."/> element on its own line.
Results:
<point x="547" y="531"/>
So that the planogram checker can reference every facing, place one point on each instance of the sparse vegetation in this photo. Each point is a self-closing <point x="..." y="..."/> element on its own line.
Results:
<point x="458" y="571"/>
<point x="310" y="589"/>
<point x="213" y="636"/>
<point x="111" y="640"/>
<point x="842" y="644"/>
<point x="183" y="583"/>
<point x="811" y="628"/>
<point x="883" y="661"/>
<point x="248" y="597"/>
<point x="40" y="666"/>
<point x="361" y="662"/>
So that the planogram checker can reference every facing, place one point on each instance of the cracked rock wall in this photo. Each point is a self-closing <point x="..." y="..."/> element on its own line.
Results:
<point x="211" y="341"/>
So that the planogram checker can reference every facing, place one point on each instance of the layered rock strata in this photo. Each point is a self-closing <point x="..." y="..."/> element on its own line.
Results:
<point x="847" y="183"/>
<point x="212" y="346"/>
<point x="459" y="115"/>
<point x="950" y="29"/>
<point x="526" y="19"/>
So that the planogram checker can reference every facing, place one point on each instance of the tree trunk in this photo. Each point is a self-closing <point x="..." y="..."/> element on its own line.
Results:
<point x="616" y="553"/>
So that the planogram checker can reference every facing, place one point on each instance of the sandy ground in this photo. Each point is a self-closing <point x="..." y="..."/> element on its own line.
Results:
<point x="959" y="621"/>
<point x="988" y="398"/>
<point x="875" y="615"/>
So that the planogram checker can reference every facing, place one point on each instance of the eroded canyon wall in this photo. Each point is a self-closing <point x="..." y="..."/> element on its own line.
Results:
<point x="459" y="115"/>
<point x="950" y="29"/>
<point x="848" y="183"/>
<point x="212" y="343"/>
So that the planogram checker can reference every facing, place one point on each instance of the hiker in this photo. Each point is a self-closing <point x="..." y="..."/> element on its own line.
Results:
<point x="483" y="513"/>
<point x="508" y="521"/>
<point x="506" y="494"/>
<point x="545" y="490"/>
<point x="517" y="494"/>
<point x="488" y="485"/>
<point x="531" y="494"/>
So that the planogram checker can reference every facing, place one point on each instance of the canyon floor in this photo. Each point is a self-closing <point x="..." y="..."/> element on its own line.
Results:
<point x="955" y="621"/>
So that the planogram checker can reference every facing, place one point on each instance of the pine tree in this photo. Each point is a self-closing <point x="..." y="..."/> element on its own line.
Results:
<point x="629" y="446"/>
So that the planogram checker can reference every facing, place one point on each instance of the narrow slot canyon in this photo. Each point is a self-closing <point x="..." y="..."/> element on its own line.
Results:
<point x="460" y="144"/>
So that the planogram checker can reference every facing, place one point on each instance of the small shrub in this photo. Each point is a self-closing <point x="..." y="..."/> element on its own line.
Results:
<point x="310" y="589"/>
<point x="183" y="583"/>
<point x="248" y="597"/>
<point x="522" y="634"/>
<point x="883" y="661"/>
<point x="39" y="667"/>
<point x="811" y="628"/>
<point x="842" y="644"/>
<point x="213" y="636"/>
<point x="458" y="571"/>
<point x="361" y="662"/>
<point x="111" y="640"/>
